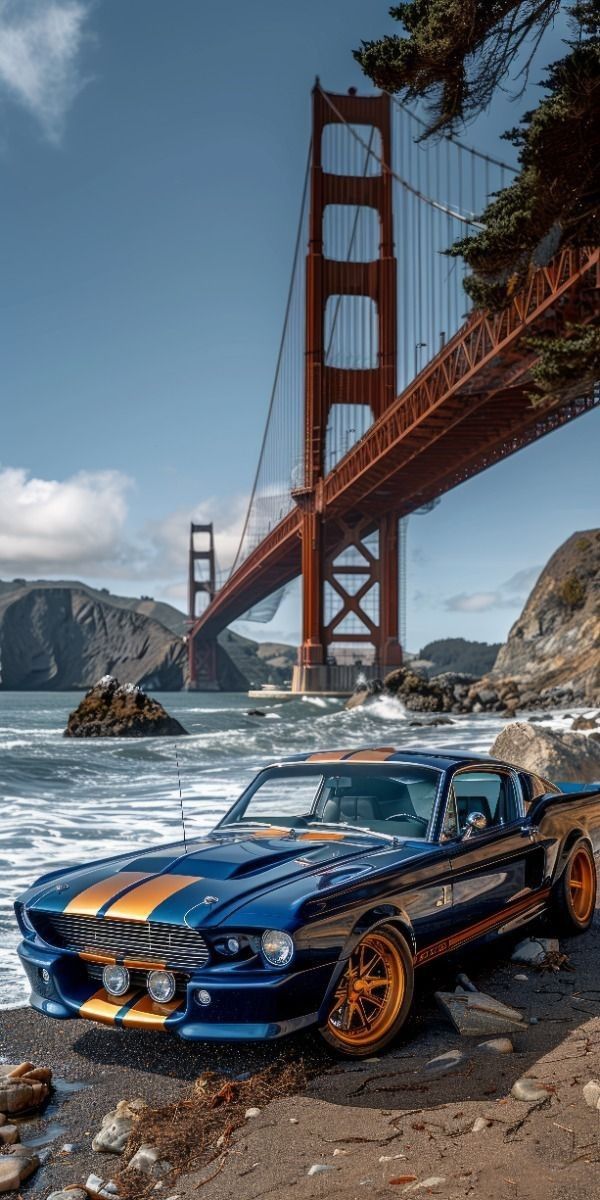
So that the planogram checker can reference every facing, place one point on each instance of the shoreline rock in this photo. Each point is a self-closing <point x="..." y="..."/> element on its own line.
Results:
<point x="557" y="756"/>
<point x="111" y="709"/>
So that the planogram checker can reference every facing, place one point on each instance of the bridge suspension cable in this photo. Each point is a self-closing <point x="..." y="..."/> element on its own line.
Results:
<point x="439" y="188"/>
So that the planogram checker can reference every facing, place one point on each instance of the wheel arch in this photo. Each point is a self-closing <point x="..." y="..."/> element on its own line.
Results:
<point x="371" y="918"/>
<point x="572" y="838"/>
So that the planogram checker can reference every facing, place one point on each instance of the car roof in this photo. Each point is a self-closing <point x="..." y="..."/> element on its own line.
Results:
<point x="442" y="758"/>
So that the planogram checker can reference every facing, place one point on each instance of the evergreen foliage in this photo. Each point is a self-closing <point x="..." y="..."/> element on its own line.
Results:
<point x="454" y="56"/>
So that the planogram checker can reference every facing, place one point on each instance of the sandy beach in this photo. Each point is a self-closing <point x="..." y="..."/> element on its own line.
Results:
<point x="383" y="1126"/>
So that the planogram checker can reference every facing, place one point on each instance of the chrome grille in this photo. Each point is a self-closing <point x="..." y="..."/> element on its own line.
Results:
<point x="173" y="944"/>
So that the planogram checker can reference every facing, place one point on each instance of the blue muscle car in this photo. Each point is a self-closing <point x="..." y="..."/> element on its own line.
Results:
<point x="332" y="878"/>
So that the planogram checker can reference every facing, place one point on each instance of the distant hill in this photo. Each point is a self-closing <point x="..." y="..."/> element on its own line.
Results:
<point x="459" y="654"/>
<point x="64" y="635"/>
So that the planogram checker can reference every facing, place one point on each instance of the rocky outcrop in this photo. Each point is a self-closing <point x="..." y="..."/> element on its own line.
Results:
<point x="442" y="694"/>
<point x="552" y="655"/>
<point x="573" y="757"/>
<point x="111" y="709"/>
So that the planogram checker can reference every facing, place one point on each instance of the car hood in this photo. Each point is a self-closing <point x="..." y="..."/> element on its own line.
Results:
<point x="212" y="877"/>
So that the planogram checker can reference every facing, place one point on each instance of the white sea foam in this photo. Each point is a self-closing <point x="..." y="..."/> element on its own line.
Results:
<point x="66" y="802"/>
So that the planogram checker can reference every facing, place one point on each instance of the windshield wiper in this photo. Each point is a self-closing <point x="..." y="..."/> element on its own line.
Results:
<point x="387" y="837"/>
<point x="234" y="825"/>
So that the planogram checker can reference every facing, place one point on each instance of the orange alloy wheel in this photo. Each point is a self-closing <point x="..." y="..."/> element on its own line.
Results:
<point x="581" y="885"/>
<point x="370" y="994"/>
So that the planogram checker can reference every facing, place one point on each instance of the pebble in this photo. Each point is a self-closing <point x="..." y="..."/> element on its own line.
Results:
<point x="293" y="1120"/>
<point x="9" y="1134"/>
<point x="383" y="1158"/>
<point x="73" y="1193"/>
<point x="445" y="1062"/>
<point x="522" y="978"/>
<point x="529" y="1090"/>
<point x="318" y="1168"/>
<point x="16" y="1164"/>
<point x="23" y="1086"/>
<point x="591" y="1094"/>
<point x="116" y="1127"/>
<point x="70" y="1194"/>
<point x="147" y="1160"/>
<point x="501" y="1045"/>
<point x="337" y="1152"/>
<point x="251" y="1112"/>
<point x="95" y="1186"/>
<point x="535" y="950"/>
<point x="433" y="1181"/>
<point x="480" y="1124"/>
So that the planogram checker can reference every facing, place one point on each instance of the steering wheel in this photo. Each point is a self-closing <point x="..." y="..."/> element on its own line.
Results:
<point x="408" y="817"/>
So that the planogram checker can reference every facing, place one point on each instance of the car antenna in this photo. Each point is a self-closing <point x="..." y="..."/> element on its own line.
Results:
<point x="181" y="803"/>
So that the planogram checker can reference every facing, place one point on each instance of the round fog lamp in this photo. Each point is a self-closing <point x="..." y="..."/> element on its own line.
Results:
<point x="45" y="975"/>
<point x="161" y="985"/>
<point x="115" y="980"/>
<point x="233" y="945"/>
<point x="202" y="996"/>
<point x="277" y="947"/>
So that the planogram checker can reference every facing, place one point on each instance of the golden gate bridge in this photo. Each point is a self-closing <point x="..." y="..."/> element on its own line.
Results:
<point x="387" y="392"/>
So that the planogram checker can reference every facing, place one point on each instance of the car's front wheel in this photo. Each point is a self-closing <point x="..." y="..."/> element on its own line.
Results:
<point x="574" y="894"/>
<point x="373" y="997"/>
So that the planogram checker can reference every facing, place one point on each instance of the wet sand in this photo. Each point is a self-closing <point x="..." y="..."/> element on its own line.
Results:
<point x="388" y="1118"/>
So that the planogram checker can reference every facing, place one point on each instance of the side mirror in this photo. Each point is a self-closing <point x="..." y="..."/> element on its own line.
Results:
<point x="475" y="823"/>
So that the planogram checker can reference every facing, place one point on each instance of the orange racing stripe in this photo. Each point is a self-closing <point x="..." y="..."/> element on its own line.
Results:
<point x="147" y="1014"/>
<point x="139" y="903"/>
<point x="101" y="1008"/>
<point x="470" y="932"/>
<point x="89" y="902"/>
<point x="372" y="755"/>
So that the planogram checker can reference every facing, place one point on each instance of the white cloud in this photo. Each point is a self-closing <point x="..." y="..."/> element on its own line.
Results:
<point x="78" y="527"/>
<point x="48" y="526"/>
<point x="511" y="594"/>
<point x="40" y="42"/>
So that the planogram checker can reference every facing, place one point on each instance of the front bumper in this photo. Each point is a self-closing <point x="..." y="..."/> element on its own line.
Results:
<point x="246" y="1005"/>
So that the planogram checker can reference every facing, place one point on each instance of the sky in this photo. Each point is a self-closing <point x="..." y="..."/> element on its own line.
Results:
<point x="151" y="160"/>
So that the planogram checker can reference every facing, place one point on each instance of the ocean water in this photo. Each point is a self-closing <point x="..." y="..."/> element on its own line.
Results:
<point x="66" y="801"/>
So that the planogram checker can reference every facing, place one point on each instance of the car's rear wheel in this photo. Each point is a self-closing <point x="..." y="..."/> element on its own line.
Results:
<point x="574" y="895"/>
<point x="373" y="997"/>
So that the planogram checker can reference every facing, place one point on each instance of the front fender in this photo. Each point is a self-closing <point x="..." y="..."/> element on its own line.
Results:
<point x="383" y="914"/>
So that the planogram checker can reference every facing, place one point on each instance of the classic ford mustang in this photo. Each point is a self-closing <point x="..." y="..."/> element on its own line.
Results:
<point x="332" y="878"/>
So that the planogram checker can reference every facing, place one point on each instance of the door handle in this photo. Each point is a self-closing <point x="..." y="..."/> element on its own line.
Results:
<point x="530" y="831"/>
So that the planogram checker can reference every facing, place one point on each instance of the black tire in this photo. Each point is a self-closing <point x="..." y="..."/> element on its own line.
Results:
<point x="574" y="893"/>
<point x="362" y="1020"/>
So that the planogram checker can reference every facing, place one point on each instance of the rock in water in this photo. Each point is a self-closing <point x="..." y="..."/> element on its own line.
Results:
<point x="562" y="756"/>
<point x="112" y="710"/>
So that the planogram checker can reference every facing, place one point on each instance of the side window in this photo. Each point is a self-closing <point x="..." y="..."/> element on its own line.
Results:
<point x="489" y="792"/>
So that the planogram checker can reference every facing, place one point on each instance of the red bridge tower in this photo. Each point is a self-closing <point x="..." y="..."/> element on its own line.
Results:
<point x="358" y="556"/>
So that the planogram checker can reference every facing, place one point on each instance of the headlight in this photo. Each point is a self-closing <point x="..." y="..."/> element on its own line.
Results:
<point x="115" y="980"/>
<point x="277" y="947"/>
<point x="161" y="985"/>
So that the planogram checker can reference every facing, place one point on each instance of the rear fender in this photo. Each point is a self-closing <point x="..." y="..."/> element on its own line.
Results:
<point x="574" y="836"/>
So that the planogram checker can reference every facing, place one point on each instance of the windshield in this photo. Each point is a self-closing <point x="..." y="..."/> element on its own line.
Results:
<point x="398" y="799"/>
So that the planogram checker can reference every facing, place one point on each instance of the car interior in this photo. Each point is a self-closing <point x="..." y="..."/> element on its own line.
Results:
<point x="401" y="804"/>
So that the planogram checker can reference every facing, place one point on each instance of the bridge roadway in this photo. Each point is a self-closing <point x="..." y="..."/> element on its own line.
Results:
<point x="468" y="409"/>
